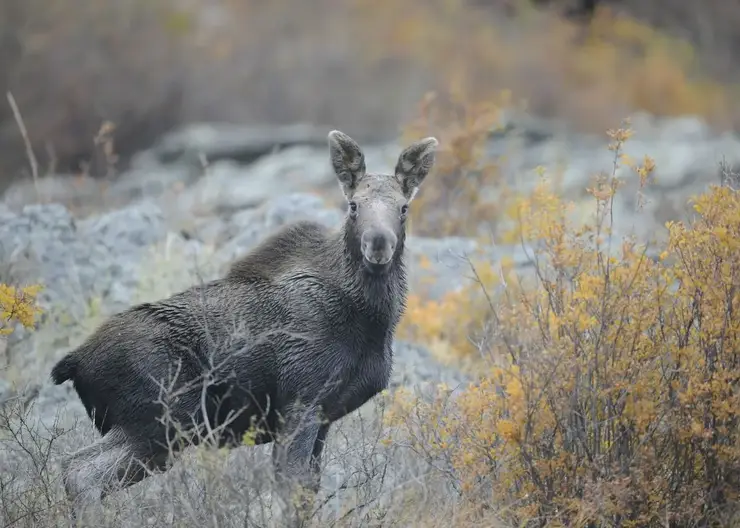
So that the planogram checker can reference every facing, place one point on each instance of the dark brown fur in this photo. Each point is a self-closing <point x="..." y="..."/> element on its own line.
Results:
<point x="297" y="335"/>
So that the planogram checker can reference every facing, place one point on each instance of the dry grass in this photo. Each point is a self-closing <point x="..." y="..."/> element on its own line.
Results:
<point x="367" y="482"/>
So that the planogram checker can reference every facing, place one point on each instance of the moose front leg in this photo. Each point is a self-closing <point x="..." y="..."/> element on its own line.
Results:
<point x="296" y="454"/>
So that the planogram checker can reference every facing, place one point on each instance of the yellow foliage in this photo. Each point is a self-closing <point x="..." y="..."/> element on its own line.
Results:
<point x="612" y="397"/>
<point x="17" y="305"/>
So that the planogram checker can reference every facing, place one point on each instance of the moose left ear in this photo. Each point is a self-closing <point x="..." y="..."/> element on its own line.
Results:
<point x="414" y="163"/>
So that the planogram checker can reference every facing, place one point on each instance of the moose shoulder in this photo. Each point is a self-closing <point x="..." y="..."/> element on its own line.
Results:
<point x="295" y="336"/>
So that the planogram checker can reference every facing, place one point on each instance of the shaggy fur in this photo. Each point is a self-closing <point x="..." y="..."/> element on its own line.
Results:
<point x="297" y="335"/>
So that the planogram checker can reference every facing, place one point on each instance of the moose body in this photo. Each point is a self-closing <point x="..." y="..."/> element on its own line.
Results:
<point x="297" y="335"/>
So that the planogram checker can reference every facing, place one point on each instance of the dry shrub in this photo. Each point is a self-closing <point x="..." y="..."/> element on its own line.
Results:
<point x="585" y="75"/>
<point x="661" y="71"/>
<point x="611" y="394"/>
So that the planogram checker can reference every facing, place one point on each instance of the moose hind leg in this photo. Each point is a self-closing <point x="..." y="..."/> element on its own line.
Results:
<point x="318" y="449"/>
<point x="113" y="461"/>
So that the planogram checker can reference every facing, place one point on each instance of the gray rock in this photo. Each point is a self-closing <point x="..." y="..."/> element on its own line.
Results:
<point x="56" y="405"/>
<point x="246" y="228"/>
<point x="5" y="213"/>
<point x="294" y="207"/>
<point x="53" y="188"/>
<point x="151" y="180"/>
<point x="243" y="143"/>
<point x="88" y="195"/>
<point x="686" y="151"/>
<point x="229" y="186"/>
<point x="414" y="365"/>
<point x="440" y="265"/>
<point x="79" y="260"/>
<point x="128" y="228"/>
<point x="33" y="244"/>
<point x="5" y="390"/>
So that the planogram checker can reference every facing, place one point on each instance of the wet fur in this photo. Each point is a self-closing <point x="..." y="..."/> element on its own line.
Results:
<point x="300" y="319"/>
<point x="300" y="278"/>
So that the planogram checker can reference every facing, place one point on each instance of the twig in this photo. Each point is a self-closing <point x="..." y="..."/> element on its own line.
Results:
<point x="29" y="150"/>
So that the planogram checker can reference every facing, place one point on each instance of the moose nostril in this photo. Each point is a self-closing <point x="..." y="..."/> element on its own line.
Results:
<point x="377" y="242"/>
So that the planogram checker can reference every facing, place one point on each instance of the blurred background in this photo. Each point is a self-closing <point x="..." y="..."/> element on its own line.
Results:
<point x="212" y="107"/>
<point x="151" y="66"/>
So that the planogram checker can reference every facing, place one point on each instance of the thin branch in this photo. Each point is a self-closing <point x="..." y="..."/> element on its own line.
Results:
<point x="29" y="150"/>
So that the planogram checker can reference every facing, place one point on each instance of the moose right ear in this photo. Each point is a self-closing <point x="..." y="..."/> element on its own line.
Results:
<point x="347" y="160"/>
<point x="414" y="163"/>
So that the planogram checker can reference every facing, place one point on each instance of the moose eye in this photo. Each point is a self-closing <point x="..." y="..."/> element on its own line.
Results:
<point x="353" y="207"/>
<point x="404" y="209"/>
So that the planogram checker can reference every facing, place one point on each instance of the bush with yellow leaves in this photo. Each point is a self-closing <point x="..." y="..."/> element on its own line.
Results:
<point x="17" y="305"/>
<point x="612" y="395"/>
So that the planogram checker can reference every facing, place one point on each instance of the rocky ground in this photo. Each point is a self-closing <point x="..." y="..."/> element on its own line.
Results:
<point x="172" y="220"/>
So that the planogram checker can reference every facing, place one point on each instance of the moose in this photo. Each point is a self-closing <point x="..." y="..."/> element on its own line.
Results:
<point x="296" y="335"/>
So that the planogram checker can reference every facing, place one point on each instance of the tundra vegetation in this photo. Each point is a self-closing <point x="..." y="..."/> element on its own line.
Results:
<point x="606" y="390"/>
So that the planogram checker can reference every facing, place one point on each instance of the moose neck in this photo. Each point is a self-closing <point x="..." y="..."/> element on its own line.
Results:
<point x="384" y="293"/>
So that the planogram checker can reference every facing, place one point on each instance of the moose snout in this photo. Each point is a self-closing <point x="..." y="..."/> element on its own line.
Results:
<point x="378" y="246"/>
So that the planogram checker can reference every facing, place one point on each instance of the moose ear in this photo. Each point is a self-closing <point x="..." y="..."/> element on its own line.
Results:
<point x="414" y="163"/>
<point x="347" y="160"/>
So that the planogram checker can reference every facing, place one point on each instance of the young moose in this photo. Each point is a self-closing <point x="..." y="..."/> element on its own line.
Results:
<point x="297" y="335"/>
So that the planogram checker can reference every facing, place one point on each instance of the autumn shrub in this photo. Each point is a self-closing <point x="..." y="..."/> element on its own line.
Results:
<point x="608" y="386"/>
<point x="691" y="20"/>
<point x="613" y="65"/>
<point x="563" y="68"/>
<point x="17" y="305"/>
